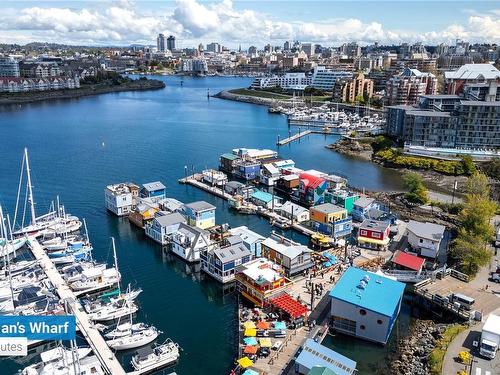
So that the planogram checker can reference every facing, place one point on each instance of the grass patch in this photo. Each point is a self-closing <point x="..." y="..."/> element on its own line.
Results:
<point x="259" y="94"/>
<point x="437" y="355"/>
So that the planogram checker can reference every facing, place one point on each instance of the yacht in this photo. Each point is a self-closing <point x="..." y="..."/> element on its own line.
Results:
<point x="152" y="358"/>
<point x="113" y="311"/>
<point x="73" y="272"/>
<point x="95" y="279"/>
<point x="124" y="329"/>
<point x="134" y="339"/>
<point x="88" y="365"/>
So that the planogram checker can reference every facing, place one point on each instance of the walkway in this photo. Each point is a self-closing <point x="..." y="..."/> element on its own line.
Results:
<point x="107" y="358"/>
<point x="293" y="137"/>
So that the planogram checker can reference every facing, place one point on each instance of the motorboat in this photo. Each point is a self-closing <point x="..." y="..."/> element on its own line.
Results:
<point x="73" y="272"/>
<point x="96" y="278"/>
<point x="134" y="339"/>
<point x="11" y="246"/>
<point x="93" y="306"/>
<point x="113" y="311"/>
<point x="124" y="329"/>
<point x="152" y="358"/>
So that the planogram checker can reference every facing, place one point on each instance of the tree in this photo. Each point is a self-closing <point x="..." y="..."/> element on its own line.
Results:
<point x="477" y="184"/>
<point x="417" y="192"/>
<point x="468" y="164"/>
<point x="471" y="247"/>
<point x="472" y="252"/>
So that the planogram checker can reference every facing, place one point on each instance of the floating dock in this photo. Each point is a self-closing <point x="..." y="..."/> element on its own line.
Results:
<point x="107" y="358"/>
<point x="101" y="350"/>
<point x="293" y="137"/>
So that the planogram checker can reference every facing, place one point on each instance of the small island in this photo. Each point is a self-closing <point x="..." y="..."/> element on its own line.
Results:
<point x="102" y="83"/>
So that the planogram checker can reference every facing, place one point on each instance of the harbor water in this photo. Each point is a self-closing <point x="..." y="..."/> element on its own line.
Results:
<point x="78" y="146"/>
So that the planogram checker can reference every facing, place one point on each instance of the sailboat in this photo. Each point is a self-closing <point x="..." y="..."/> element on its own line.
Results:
<point x="55" y="221"/>
<point x="8" y="244"/>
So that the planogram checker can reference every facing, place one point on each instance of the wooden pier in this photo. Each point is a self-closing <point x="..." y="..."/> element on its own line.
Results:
<point x="293" y="137"/>
<point x="107" y="358"/>
<point x="268" y="214"/>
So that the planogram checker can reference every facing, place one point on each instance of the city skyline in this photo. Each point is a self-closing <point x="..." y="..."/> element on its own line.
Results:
<point x="234" y="23"/>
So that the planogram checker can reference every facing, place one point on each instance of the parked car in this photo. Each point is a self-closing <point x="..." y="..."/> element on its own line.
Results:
<point x="262" y="333"/>
<point x="264" y="352"/>
<point x="277" y="345"/>
<point x="495" y="276"/>
<point x="278" y="333"/>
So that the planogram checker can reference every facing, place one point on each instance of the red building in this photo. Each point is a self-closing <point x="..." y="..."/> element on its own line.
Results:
<point x="374" y="234"/>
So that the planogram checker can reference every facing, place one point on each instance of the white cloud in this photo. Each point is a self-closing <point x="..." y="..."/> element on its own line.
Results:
<point x="192" y="21"/>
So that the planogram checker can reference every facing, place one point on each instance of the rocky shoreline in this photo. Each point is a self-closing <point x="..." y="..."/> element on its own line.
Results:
<point x="85" y="90"/>
<point x="352" y="147"/>
<point x="412" y="356"/>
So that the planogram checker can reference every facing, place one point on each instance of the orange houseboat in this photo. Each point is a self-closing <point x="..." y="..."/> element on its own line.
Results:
<point x="261" y="280"/>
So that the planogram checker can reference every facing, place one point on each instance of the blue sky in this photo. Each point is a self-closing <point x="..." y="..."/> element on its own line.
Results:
<point x="122" y="22"/>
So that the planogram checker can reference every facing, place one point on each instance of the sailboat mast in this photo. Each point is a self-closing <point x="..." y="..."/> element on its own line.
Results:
<point x="116" y="263"/>
<point x="10" y="234"/>
<point x="30" y="188"/>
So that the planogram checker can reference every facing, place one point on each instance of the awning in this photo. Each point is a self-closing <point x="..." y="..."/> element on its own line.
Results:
<point x="245" y="362"/>
<point x="279" y="325"/>
<point x="250" y="332"/>
<point x="250" y="349"/>
<point x="373" y="241"/>
<point x="265" y="342"/>
<point x="250" y="341"/>
<point x="250" y="372"/>
<point x="289" y="305"/>
<point x="263" y="324"/>
<point x="249" y="324"/>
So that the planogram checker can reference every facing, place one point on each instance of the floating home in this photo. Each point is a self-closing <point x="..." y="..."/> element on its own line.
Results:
<point x="260" y="280"/>
<point x="120" y="199"/>
<point x="188" y="242"/>
<point x="425" y="238"/>
<point x="292" y="256"/>
<point x="251" y="240"/>
<point x="163" y="226"/>
<point x="221" y="262"/>
<point x="374" y="234"/>
<point x="200" y="214"/>
<point x="330" y="219"/>
<point x="365" y="304"/>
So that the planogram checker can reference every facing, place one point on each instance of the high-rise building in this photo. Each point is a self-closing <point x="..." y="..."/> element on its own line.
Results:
<point x="252" y="50"/>
<point x="309" y="49"/>
<point x="405" y="88"/>
<point x="171" y="43"/>
<point x="214" y="47"/>
<point x="324" y="79"/>
<point x="9" y="67"/>
<point x="469" y="74"/>
<point x="160" y="43"/>
<point x="351" y="49"/>
<point x="287" y="46"/>
<point x="347" y="90"/>
<point x="268" y="48"/>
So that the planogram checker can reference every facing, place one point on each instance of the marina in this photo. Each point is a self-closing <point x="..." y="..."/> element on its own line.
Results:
<point x="134" y="248"/>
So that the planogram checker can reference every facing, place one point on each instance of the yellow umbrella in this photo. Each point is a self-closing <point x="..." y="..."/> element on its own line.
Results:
<point x="250" y="332"/>
<point x="265" y="342"/>
<point x="245" y="362"/>
<point x="249" y="324"/>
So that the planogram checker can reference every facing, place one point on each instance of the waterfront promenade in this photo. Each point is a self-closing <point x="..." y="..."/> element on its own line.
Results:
<point x="282" y="360"/>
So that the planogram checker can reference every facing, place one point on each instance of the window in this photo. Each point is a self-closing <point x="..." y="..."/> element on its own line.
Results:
<point x="363" y="232"/>
<point x="362" y="312"/>
<point x="376" y="235"/>
<point x="379" y="321"/>
<point x="421" y="240"/>
<point x="362" y="327"/>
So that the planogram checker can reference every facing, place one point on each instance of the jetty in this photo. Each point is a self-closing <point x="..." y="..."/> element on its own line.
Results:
<point x="293" y="137"/>
<point x="90" y="333"/>
<point x="106" y="357"/>
<point x="194" y="180"/>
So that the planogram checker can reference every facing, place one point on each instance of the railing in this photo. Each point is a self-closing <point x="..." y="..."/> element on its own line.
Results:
<point x="439" y="301"/>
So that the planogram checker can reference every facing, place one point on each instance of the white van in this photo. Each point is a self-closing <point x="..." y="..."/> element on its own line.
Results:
<point x="463" y="300"/>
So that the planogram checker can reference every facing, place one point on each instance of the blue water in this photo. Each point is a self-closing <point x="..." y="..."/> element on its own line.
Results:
<point x="79" y="146"/>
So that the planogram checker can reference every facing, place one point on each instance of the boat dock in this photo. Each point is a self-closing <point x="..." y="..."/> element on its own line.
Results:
<point x="107" y="358"/>
<point x="218" y="192"/>
<point x="293" y="137"/>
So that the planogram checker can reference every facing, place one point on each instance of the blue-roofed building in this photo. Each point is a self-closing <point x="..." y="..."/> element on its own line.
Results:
<point x="154" y="190"/>
<point x="365" y="304"/>
<point x="261" y="198"/>
<point x="316" y="355"/>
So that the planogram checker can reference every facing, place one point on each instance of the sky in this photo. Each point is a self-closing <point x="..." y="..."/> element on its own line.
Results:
<point x="249" y="22"/>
